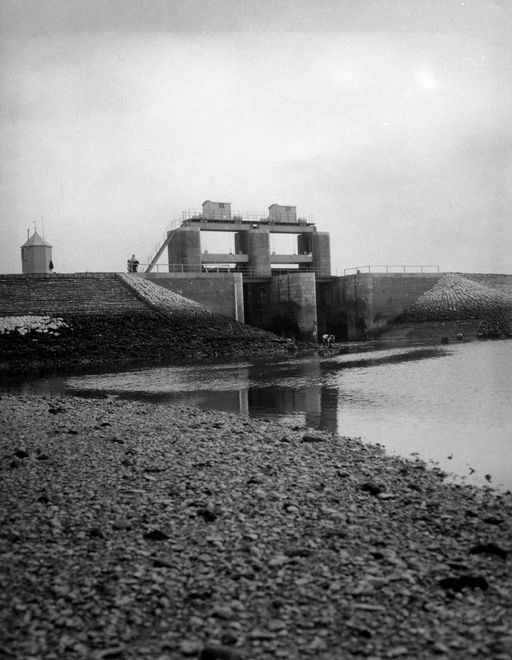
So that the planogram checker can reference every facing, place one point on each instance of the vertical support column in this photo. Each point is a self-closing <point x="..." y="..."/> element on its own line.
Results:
<point x="321" y="251"/>
<point x="304" y="247"/>
<point x="241" y="242"/>
<point x="258" y="250"/>
<point x="184" y="250"/>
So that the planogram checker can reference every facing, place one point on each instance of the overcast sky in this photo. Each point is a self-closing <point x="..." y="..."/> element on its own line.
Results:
<point x="390" y="122"/>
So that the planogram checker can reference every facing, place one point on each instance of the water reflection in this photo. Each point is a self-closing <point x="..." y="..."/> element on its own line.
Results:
<point x="438" y="401"/>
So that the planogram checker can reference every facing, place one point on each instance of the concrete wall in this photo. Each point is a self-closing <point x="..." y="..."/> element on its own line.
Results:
<point x="293" y="305"/>
<point x="332" y="317"/>
<point x="220" y="292"/>
<point x="257" y="304"/>
<point x="372" y="300"/>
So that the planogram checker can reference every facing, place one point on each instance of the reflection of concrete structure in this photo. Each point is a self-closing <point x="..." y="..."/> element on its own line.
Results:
<point x="36" y="255"/>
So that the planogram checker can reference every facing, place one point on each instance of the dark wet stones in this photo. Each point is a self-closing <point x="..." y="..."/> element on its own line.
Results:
<point x="162" y="562"/>
<point x="121" y="524"/>
<point x="372" y="488"/>
<point x="313" y="437"/>
<point x="489" y="549"/>
<point x="155" y="535"/>
<point x="55" y="410"/>
<point x="461" y="582"/>
<point x="206" y="514"/>
<point x="211" y="652"/>
<point x="96" y="533"/>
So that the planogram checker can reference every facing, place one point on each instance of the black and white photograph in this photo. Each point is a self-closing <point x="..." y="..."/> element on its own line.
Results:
<point x="255" y="329"/>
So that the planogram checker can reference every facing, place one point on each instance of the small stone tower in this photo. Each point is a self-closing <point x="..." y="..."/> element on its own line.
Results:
<point x="36" y="255"/>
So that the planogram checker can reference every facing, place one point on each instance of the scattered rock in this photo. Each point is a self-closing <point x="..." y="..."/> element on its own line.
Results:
<point x="162" y="562"/>
<point x="463" y="582"/>
<point x="313" y="437"/>
<point x="122" y="524"/>
<point x="489" y="549"/>
<point x="189" y="647"/>
<point x="96" y="533"/>
<point x="207" y="515"/>
<point x="211" y="652"/>
<point x="373" y="489"/>
<point x="267" y="554"/>
<point x="155" y="535"/>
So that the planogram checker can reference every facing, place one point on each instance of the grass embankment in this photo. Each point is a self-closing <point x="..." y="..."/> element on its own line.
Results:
<point x="139" y="532"/>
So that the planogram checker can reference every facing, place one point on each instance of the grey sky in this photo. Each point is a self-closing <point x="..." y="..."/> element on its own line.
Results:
<point x="389" y="122"/>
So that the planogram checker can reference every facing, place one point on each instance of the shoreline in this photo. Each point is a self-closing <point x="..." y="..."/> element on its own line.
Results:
<point x="139" y="531"/>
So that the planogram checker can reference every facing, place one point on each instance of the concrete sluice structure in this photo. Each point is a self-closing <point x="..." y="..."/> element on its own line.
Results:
<point x="293" y="295"/>
<point x="276" y="292"/>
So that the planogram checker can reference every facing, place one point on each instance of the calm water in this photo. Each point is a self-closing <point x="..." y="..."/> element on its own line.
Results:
<point x="448" y="404"/>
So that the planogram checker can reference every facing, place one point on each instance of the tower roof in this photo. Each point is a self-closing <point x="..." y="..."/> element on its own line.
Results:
<point x="36" y="240"/>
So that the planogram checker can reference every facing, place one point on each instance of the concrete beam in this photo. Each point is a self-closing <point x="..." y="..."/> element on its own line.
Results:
<point x="291" y="259"/>
<point x="217" y="258"/>
<point x="272" y="228"/>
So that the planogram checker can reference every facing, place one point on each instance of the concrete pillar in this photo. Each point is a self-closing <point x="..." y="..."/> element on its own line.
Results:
<point x="321" y="251"/>
<point x="258" y="250"/>
<point x="304" y="244"/>
<point x="294" y="305"/>
<point x="184" y="250"/>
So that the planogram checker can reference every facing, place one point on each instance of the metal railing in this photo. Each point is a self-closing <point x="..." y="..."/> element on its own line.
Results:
<point x="240" y="216"/>
<point x="391" y="269"/>
<point x="248" y="271"/>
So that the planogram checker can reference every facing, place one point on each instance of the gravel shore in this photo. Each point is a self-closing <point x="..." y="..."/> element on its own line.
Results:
<point x="136" y="531"/>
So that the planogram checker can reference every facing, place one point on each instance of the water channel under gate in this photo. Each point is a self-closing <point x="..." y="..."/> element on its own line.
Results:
<point x="450" y="404"/>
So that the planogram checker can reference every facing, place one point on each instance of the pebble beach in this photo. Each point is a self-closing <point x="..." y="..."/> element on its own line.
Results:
<point x="138" y="531"/>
